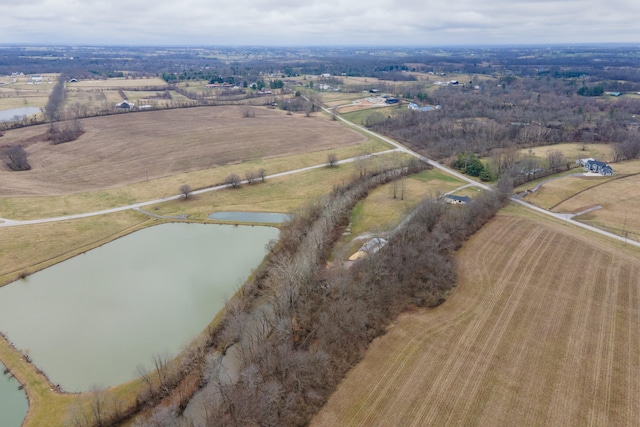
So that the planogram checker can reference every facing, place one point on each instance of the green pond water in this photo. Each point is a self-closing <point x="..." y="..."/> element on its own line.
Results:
<point x="93" y="319"/>
<point x="13" y="402"/>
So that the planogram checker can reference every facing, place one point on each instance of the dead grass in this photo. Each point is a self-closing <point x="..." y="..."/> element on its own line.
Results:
<point x="573" y="151"/>
<point x="554" y="192"/>
<point x="541" y="330"/>
<point x="124" y="149"/>
<point x="45" y="207"/>
<point x="117" y="83"/>
<point x="381" y="212"/>
<point x="620" y="201"/>
<point x="30" y="248"/>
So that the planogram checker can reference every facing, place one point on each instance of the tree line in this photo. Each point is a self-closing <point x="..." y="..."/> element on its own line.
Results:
<point x="519" y="113"/>
<point x="298" y="327"/>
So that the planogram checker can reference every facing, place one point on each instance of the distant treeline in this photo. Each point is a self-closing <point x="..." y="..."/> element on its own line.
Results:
<point x="500" y="113"/>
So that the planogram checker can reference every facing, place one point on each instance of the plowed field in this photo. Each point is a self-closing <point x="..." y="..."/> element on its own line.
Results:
<point x="543" y="329"/>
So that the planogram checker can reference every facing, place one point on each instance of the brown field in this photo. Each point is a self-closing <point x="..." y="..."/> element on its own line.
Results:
<point x="554" y="192"/>
<point x="127" y="148"/>
<point x="620" y="201"/>
<point x="116" y="83"/>
<point x="573" y="151"/>
<point x="542" y="329"/>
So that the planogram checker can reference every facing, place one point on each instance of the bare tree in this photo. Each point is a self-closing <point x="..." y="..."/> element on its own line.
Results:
<point x="262" y="174"/>
<point x="17" y="158"/>
<point x="556" y="159"/>
<point x="185" y="190"/>
<point x="332" y="160"/>
<point x="233" y="180"/>
<point x="251" y="177"/>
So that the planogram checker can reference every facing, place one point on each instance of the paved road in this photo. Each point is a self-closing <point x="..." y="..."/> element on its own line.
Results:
<point x="398" y="148"/>
<point x="564" y="217"/>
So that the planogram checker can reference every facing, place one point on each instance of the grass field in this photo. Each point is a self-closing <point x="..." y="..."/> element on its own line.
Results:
<point x="573" y="151"/>
<point x="620" y="201"/>
<point x="30" y="248"/>
<point x="554" y="192"/>
<point x="618" y="195"/>
<point x="123" y="149"/>
<point x="541" y="330"/>
<point x="117" y="83"/>
<point x="360" y="114"/>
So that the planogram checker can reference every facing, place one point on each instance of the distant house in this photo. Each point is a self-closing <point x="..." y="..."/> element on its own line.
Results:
<point x="36" y="78"/>
<point x="414" y="106"/>
<point x="125" y="105"/>
<point x="392" y="100"/>
<point x="374" y="90"/>
<point x="73" y="80"/>
<point x="614" y="93"/>
<point x="456" y="200"/>
<point x="598" y="167"/>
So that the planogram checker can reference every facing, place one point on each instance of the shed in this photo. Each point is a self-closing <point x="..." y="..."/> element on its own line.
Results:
<point x="457" y="200"/>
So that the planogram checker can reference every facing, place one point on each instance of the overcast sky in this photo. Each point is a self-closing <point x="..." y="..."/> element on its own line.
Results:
<point x="319" y="22"/>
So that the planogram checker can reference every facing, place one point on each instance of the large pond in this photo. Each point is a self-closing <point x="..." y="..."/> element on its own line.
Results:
<point x="13" y="402"/>
<point x="17" y="113"/>
<point x="93" y="319"/>
<point x="259" y="217"/>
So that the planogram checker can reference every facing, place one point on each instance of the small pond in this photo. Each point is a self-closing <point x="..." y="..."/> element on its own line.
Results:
<point x="93" y="319"/>
<point x="259" y="217"/>
<point x="13" y="402"/>
<point x="9" y="115"/>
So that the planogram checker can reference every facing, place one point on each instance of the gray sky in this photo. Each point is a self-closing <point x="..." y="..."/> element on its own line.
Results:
<point x="319" y="22"/>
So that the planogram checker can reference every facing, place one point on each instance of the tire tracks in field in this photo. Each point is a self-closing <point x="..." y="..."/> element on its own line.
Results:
<point x="496" y="330"/>
<point x="459" y="367"/>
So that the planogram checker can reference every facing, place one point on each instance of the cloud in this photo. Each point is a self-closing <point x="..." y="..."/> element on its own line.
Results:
<point x="342" y="22"/>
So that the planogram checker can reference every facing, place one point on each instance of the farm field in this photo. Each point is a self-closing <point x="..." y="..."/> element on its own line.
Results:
<point x="541" y="330"/>
<point x="620" y="201"/>
<point x="572" y="151"/>
<point x="116" y="83"/>
<point x="127" y="148"/>
<point x="556" y="191"/>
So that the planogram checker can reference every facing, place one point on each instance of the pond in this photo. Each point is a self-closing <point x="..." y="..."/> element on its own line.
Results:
<point x="259" y="217"/>
<point x="13" y="402"/>
<point x="93" y="319"/>
<point x="19" y="113"/>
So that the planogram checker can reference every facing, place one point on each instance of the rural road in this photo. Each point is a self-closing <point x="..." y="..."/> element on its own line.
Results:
<point x="564" y="217"/>
<point x="4" y="222"/>
<point x="398" y="148"/>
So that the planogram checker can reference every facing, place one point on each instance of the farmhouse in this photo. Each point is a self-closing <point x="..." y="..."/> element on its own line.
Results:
<point x="456" y="200"/>
<point x="598" y="167"/>
<point x="126" y="105"/>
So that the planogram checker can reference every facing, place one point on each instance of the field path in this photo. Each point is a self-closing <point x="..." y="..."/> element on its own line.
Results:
<point x="541" y="330"/>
